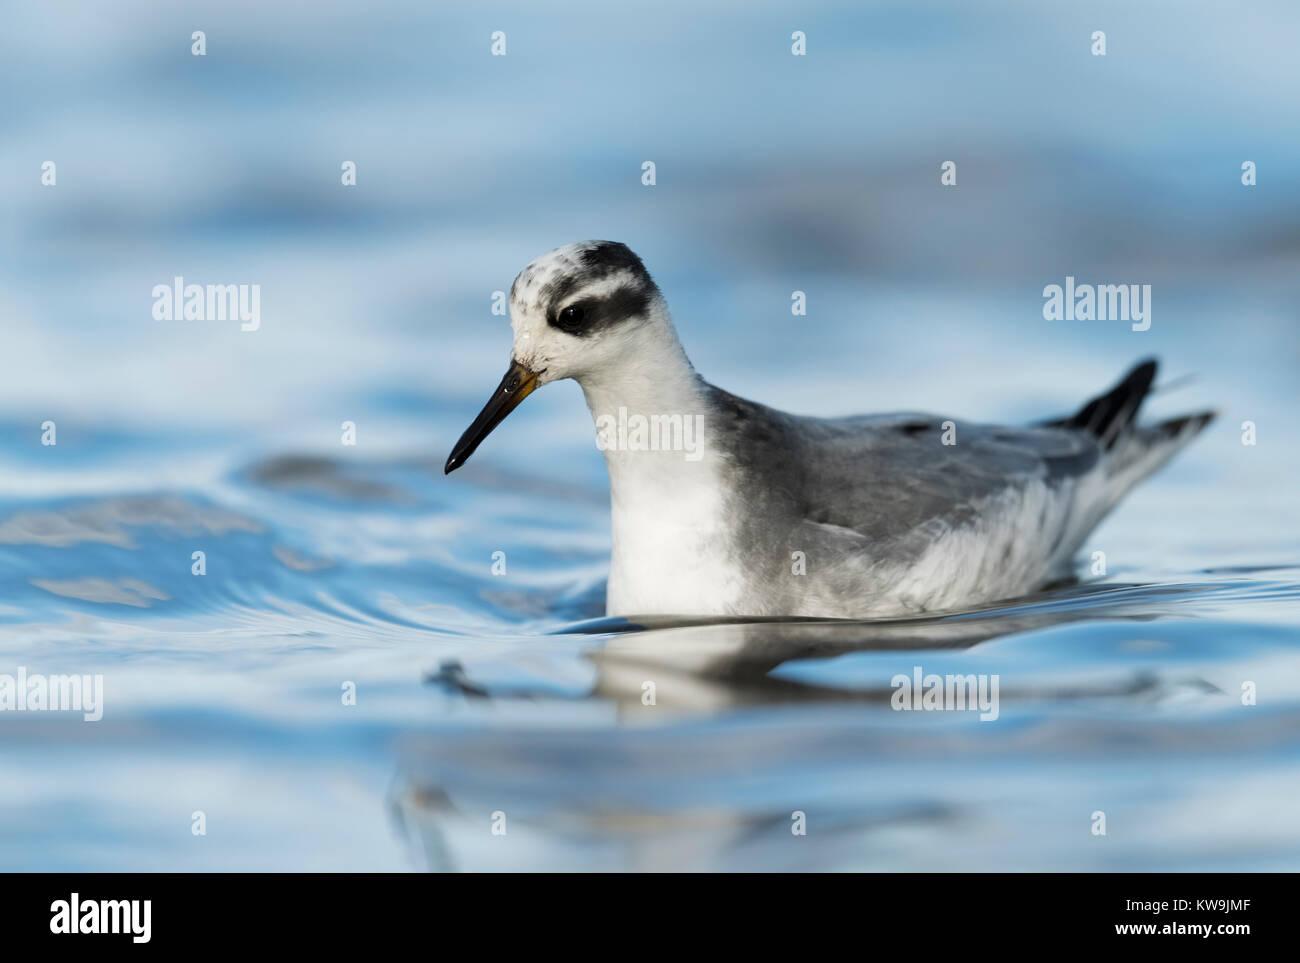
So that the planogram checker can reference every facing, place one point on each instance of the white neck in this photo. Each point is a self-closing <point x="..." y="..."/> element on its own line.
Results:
<point x="655" y="375"/>
<point x="666" y="500"/>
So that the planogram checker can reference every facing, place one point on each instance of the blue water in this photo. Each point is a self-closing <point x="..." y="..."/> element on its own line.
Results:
<point x="481" y="694"/>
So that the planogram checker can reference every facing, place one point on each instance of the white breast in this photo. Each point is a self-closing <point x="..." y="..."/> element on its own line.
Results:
<point x="670" y="553"/>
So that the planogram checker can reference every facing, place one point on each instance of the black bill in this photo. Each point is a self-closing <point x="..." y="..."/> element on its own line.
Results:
<point x="517" y="385"/>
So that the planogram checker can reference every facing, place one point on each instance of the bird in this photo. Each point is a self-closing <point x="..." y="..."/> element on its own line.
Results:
<point x="724" y="507"/>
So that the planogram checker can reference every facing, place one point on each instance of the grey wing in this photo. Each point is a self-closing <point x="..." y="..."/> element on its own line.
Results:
<point x="886" y="475"/>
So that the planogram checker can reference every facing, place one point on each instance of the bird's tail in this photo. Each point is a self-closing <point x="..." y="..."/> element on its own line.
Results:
<point x="1133" y="451"/>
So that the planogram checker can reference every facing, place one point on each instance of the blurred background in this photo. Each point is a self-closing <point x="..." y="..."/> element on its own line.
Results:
<point x="774" y="173"/>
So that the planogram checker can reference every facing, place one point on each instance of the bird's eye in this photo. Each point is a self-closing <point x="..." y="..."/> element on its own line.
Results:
<point x="571" y="317"/>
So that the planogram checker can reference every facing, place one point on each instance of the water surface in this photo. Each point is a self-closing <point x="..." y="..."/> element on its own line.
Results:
<point x="481" y="694"/>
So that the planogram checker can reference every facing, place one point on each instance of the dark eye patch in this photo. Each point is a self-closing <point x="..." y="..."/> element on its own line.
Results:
<point x="586" y="317"/>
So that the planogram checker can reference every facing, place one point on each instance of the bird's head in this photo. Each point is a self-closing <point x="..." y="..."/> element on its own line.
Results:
<point x="577" y="312"/>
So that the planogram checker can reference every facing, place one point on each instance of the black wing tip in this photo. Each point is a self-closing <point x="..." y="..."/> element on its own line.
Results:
<point x="1138" y="380"/>
<point x="1195" y="422"/>
<point x="1140" y="377"/>
<point x="1106" y="416"/>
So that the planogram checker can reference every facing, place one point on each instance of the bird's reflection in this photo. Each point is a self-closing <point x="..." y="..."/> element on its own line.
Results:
<point x="601" y="790"/>
<point x="710" y="666"/>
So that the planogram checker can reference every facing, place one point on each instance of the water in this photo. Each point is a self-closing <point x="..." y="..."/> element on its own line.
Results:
<point x="479" y="694"/>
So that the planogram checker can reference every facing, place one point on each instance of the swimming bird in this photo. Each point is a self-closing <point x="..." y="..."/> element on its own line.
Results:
<point x="724" y="507"/>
